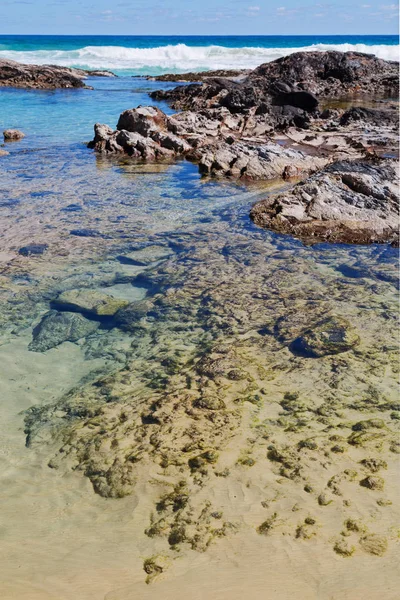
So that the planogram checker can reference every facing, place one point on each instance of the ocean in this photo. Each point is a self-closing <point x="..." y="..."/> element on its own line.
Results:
<point x="153" y="55"/>
<point x="60" y="539"/>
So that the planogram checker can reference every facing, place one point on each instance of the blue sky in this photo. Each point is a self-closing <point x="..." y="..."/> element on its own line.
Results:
<point x="182" y="17"/>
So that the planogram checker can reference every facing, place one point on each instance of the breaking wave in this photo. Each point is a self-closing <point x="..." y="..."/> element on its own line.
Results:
<point x="180" y="57"/>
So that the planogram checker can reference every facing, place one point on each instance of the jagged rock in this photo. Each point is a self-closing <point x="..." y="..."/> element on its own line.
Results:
<point x="15" y="74"/>
<point x="351" y="202"/>
<point x="252" y="161"/>
<point x="39" y="76"/>
<point x="322" y="74"/>
<point x="89" y="301"/>
<point x="330" y="336"/>
<point x="12" y="135"/>
<point x="58" y="327"/>
<point x="207" y="138"/>
<point x="142" y="133"/>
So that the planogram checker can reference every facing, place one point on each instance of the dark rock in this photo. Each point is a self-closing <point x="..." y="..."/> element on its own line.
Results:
<point x="199" y="76"/>
<point x="33" y="249"/>
<point x="72" y="208"/>
<point x="369" y="115"/>
<point x="14" y="74"/>
<point x="303" y="100"/>
<point x="58" y="327"/>
<point x="321" y="74"/>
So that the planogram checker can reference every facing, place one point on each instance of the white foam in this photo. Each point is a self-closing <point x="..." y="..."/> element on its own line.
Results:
<point x="180" y="58"/>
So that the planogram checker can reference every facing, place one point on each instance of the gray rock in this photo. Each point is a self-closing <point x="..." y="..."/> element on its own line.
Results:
<point x="58" y="327"/>
<point x="349" y="202"/>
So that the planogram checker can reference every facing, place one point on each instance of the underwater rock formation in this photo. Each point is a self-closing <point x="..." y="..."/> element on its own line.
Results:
<point x="331" y="336"/>
<point x="58" y="327"/>
<point x="213" y="398"/>
<point x="89" y="301"/>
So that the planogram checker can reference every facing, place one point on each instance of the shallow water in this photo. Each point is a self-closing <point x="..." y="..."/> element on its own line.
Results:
<point x="226" y="282"/>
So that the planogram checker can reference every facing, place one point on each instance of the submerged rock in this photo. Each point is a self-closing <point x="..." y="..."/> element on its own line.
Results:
<point x="127" y="318"/>
<point x="145" y="256"/>
<point x="58" y="327"/>
<point x="33" y="249"/>
<point x="13" y="135"/>
<point x="89" y="301"/>
<point x="330" y="336"/>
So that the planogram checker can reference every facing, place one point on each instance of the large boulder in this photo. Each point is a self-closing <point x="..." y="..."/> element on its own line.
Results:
<point x="349" y="201"/>
<point x="141" y="133"/>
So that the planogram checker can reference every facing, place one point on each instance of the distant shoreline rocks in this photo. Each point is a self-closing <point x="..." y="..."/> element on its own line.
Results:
<point x="18" y="75"/>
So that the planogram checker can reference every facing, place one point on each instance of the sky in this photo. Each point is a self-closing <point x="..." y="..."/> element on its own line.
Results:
<point x="185" y="17"/>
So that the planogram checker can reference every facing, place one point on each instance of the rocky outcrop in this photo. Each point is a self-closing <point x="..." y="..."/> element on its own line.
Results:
<point x="14" y="74"/>
<point x="349" y="202"/>
<point x="234" y="128"/>
<point x="199" y="75"/>
<point x="213" y="138"/>
<point x="322" y="74"/>
<point x="12" y="135"/>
